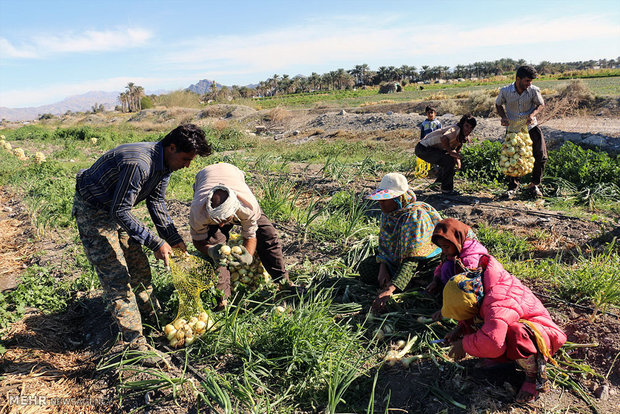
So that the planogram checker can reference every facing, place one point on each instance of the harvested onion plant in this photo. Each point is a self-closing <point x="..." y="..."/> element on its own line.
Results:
<point x="295" y="355"/>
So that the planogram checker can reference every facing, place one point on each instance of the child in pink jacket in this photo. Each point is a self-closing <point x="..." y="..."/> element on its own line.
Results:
<point x="460" y="248"/>
<point x="501" y="319"/>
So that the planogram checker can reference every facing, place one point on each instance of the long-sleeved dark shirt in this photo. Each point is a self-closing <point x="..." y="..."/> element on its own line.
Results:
<point x="123" y="177"/>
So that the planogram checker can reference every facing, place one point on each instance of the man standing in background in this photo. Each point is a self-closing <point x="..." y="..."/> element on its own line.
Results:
<point x="523" y="101"/>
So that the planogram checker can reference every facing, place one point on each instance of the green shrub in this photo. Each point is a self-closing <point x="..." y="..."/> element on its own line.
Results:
<point x="502" y="244"/>
<point x="29" y="132"/>
<point x="146" y="102"/>
<point x="181" y="99"/>
<point x="480" y="103"/>
<point x="38" y="289"/>
<point x="81" y="133"/>
<point x="227" y="139"/>
<point x="481" y="162"/>
<point x="583" y="167"/>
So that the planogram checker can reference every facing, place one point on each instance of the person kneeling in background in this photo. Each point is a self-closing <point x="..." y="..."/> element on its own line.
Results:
<point x="443" y="147"/>
<point x="501" y="319"/>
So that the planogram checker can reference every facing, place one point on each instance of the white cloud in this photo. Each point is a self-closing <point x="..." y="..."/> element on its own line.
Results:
<point x="70" y="42"/>
<point x="7" y="50"/>
<point x="316" y="43"/>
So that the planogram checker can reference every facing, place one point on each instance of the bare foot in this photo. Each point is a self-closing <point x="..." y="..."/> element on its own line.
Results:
<point x="528" y="392"/>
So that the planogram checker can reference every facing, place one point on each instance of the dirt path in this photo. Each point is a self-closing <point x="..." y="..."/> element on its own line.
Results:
<point x="587" y="124"/>
<point x="15" y="231"/>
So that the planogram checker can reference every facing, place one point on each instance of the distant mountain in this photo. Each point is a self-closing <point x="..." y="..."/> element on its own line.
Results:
<point x="76" y="103"/>
<point x="203" y="86"/>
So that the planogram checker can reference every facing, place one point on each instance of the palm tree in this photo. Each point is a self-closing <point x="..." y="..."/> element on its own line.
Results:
<point x="122" y="97"/>
<point x="315" y="81"/>
<point x="425" y="73"/>
<point x="130" y="91"/>
<point x="360" y="74"/>
<point x="138" y="95"/>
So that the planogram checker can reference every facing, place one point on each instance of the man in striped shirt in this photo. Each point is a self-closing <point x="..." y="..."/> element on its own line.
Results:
<point x="113" y="237"/>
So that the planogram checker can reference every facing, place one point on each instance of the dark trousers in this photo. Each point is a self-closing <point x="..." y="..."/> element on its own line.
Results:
<point x="443" y="159"/>
<point x="268" y="248"/>
<point x="539" y="151"/>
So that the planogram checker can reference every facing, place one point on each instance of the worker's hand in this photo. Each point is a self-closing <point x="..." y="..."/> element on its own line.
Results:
<point x="181" y="246"/>
<point x="380" y="303"/>
<point x="454" y="154"/>
<point x="529" y="119"/>
<point x="214" y="252"/>
<point x="163" y="253"/>
<point x="457" y="163"/>
<point x="384" y="277"/>
<point x="505" y="122"/>
<point x="433" y="287"/>
<point x="244" y="257"/>
<point x="457" y="352"/>
<point x="437" y="316"/>
<point x="454" y="335"/>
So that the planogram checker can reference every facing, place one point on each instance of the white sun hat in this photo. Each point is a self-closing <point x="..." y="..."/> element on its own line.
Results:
<point x="392" y="185"/>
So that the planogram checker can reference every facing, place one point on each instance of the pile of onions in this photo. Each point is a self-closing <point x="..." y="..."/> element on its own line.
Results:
<point x="251" y="276"/>
<point x="182" y="332"/>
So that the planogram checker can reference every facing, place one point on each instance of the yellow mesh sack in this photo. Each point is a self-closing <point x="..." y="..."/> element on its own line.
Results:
<point x="191" y="276"/>
<point x="250" y="277"/>
<point x="516" y="158"/>
<point x="421" y="168"/>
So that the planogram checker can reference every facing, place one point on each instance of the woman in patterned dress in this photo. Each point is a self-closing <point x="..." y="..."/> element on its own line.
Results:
<point x="405" y="247"/>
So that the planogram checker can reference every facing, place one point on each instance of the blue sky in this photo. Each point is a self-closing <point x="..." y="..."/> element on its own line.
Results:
<point x="56" y="48"/>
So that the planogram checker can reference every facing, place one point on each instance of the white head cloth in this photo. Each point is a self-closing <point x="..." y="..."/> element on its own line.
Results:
<point x="228" y="208"/>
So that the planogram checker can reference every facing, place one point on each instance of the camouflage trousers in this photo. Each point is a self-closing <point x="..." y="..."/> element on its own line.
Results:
<point x="121" y="265"/>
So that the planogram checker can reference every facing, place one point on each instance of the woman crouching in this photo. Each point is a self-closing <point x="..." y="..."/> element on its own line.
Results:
<point x="406" y="251"/>
<point x="501" y="319"/>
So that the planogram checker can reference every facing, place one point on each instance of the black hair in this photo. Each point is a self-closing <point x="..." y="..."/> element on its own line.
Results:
<point x="188" y="138"/>
<point x="430" y="109"/>
<point x="470" y="120"/>
<point x="526" y="71"/>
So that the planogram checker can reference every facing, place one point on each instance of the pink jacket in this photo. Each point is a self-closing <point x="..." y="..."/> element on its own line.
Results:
<point x="470" y="255"/>
<point x="506" y="300"/>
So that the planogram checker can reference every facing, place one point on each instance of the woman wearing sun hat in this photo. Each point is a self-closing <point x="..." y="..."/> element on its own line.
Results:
<point x="405" y="246"/>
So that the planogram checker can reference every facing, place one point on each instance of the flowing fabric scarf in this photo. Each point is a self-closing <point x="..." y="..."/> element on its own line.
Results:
<point x="407" y="231"/>
<point x="454" y="231"/>
<point x="225" y="210"/>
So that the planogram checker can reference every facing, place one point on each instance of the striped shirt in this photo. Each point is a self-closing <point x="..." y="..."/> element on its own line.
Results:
<point x="122" y="178"/>
<point x="517" y="106"/>
<point x="426" y="127"/>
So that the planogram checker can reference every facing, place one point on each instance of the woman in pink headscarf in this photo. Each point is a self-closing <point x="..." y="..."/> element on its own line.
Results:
<point x="501" y="319"/>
